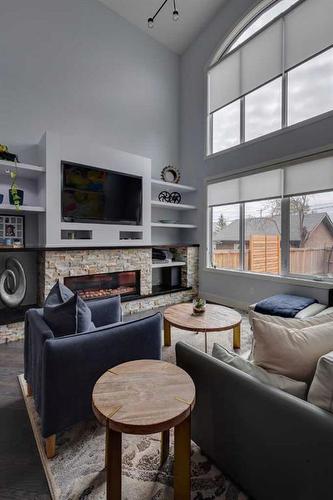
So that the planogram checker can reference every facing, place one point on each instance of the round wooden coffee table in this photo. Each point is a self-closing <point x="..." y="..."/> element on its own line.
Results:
<point x="145" y="397"/>
<point x="215" y="319"/>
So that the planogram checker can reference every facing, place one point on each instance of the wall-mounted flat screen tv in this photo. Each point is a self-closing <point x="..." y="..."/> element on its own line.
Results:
<point x="95" y="195"/>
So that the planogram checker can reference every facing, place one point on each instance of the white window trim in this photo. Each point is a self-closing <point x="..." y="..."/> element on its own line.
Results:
<point x="276" y="133"/>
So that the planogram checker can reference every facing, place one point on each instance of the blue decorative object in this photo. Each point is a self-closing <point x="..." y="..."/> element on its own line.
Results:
<point x="1" y="198"/>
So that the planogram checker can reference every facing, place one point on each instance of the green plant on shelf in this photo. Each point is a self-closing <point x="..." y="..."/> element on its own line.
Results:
<point x="14" y="189"/>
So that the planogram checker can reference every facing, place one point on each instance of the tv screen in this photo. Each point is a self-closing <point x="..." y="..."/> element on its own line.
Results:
<point x="91" y="194"/>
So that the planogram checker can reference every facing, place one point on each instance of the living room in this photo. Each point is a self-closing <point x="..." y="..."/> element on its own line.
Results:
<point x="166" y="208"/>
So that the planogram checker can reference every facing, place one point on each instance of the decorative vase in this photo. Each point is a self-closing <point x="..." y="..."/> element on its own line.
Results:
<point x="1" y="198"/>
<point x="20" y="194"/>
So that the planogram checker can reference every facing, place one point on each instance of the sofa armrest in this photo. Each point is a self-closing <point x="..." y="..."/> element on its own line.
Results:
<point x="36" y="332"/>
<point x="72" y="365"/>
<point x="270" y="443"/>
<point x="105" y="311"/>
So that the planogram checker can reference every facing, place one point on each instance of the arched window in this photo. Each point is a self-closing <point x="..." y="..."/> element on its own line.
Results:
<point x="274" y="72"/>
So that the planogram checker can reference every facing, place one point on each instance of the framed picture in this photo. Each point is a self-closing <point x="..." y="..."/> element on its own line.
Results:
<point x="12" y="230"/>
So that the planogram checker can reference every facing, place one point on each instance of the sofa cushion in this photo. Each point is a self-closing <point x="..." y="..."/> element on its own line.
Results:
<point x="73" y="316"/>
<point x="289" y="351"/>
<point x="296" y="323"/>
<point x="321" y="389"/>
<point x="294" y="387"/>
<point x="58" y="294"/>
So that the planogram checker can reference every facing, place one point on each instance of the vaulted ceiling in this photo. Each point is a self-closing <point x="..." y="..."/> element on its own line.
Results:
<point x="176" y="35"/>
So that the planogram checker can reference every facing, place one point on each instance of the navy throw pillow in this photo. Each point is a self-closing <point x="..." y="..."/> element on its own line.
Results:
<point x="58" y="294"/>
<point x="73" y="316"/>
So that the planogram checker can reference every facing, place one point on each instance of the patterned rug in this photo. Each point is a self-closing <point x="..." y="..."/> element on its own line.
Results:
<point x="77" y="472"/>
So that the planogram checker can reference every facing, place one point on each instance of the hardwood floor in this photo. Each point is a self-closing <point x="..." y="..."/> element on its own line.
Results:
<point x="21" y="472"/>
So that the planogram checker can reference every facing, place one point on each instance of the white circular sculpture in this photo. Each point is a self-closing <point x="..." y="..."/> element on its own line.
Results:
<point x="13" y="283"/>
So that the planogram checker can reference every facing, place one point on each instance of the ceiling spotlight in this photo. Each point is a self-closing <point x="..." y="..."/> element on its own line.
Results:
<point x="175" y="13"/>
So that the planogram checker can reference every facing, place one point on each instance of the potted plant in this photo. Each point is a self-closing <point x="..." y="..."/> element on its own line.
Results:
<point x="15" y="195"/>
<point x="199" y="305"/>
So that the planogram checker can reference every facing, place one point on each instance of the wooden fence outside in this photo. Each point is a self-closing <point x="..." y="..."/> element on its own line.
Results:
<point x="264" y="256"/>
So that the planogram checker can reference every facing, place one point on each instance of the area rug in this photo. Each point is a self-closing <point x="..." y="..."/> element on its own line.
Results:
<point x="77" y="471"/>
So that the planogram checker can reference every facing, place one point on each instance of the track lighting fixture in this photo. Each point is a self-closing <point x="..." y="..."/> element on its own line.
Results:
<point x="175" y="13"/>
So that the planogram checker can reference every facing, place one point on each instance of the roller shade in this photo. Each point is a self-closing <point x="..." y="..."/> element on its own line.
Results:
<point x="308" y="30"/>
<point x="261" y="58"/>
<point x="257" y="62"/>
<point x="224" y="82"/>
<point x="309" y="176"/>
<point x="248" y="188"/>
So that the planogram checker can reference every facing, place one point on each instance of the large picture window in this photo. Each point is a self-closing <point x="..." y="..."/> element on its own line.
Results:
<point x="278" y="222"/>
<point x="272" y="75"/>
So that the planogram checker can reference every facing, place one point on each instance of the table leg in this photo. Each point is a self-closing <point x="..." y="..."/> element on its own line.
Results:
<point x="237" y="337"/>
<point x="167" y="333"/>
<point x="113" y="464"/>
<point x="206" y="342"/>
<point x="165" y="443"/>
<point x="182" y="468"/>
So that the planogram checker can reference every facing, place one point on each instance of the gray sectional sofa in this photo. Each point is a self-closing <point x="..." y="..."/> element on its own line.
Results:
<point x="272" y="444"/>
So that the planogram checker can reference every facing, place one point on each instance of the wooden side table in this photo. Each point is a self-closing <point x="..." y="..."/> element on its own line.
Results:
<point x="215" y="319"/>
<point x="145" y="397"/>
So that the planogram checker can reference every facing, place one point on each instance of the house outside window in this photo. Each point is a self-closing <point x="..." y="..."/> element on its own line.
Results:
<point x="290" y="234"/>
<point x="272" y="74"/>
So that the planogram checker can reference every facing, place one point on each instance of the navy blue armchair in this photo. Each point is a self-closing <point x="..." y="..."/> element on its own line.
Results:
<point x="61" y="372"/>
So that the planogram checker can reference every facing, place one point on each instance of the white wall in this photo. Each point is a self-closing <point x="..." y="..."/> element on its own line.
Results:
<point x="75" y="67"/>
<point x="196" y="168"/>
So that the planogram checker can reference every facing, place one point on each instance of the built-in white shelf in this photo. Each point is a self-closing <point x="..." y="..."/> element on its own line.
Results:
<point x="24" y="170"/>
<point x="173" y="185"/>
<point x="175" y="206"/>
<point x="168" y="264"/>
<point x="174" y="224"/>
<point x="23" y="208"/>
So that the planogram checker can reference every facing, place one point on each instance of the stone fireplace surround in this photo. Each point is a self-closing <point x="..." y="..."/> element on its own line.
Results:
<point x="57" y="264"/>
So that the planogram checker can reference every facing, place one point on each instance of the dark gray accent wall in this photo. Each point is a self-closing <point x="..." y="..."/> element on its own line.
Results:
<point x="289" y="142"/>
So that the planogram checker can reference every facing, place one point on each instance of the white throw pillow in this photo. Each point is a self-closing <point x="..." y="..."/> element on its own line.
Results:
<point x="311" y="310"/>
<point x="289" y="351"/>
<point x="321" y="389"/>
<point x="294" y="387"/>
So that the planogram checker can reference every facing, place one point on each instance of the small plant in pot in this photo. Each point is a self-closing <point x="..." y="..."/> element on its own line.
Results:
<point x="199" y="305"/>
<point x="15" y="195"/>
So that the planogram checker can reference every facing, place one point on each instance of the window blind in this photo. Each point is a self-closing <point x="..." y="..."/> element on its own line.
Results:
<point x="309" y="176"/>
<point x="257" y="62"/>
<point x="253" y="187"/>
<point x="308" y="30"/>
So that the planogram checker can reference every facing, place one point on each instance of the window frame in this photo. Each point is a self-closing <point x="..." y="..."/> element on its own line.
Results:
<point x="285" y="275"/>
<point x="224" y="52"/>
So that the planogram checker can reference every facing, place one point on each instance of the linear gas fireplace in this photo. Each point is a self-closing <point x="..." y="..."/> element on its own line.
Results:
<point x="99" y="286"/>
